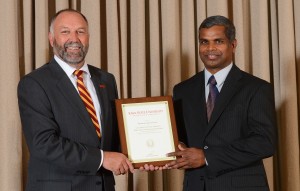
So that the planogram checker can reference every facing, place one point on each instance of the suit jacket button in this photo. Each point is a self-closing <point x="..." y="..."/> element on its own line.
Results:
<point x="98" y="183"/>
<point x="205" y="147"/>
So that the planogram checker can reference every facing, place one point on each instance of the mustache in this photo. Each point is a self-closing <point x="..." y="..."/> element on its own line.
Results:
<point x="215" y="53"/>
<point x="73" y="44"/>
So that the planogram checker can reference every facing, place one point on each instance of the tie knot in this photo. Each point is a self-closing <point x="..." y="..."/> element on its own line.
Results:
<point x="78" y="73"/>
<point x="212" y="80"/>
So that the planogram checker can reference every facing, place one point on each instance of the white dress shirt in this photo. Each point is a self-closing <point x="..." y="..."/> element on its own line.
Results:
<point x="69" y="70"/>
<point x="220" y="77"/>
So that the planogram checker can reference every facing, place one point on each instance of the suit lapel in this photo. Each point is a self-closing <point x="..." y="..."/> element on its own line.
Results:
<point x="67" y="89"/>
<point x="202" y="104"/>
<point x="229" y="89"/>
<point x="100" y="88"/>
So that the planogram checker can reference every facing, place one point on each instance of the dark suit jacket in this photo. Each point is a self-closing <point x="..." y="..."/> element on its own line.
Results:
<point x="240" y="134"/>
<point x="63" y="144"/>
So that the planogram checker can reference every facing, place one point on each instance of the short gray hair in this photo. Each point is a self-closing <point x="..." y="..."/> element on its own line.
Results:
<point x="62" y="11"/>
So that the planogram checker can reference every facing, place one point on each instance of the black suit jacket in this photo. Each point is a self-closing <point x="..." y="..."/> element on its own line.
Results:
<point x="63" y="144"/>
<point x="239" y="135"/>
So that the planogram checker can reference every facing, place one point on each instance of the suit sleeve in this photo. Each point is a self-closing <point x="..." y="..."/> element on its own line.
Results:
<point x="260" y="140"/>
<point x="42" y="133"/>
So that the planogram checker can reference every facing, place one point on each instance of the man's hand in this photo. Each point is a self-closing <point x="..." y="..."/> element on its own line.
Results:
<point x="150" y="167"/>
<point x="187" y="158"/>
<point x="117" y="163"/>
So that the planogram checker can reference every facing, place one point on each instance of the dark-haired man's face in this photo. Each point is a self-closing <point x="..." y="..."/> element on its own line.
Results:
<point x="215" y="49"/>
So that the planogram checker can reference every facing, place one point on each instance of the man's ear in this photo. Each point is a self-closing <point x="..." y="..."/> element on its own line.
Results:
<point x="51" y="38"/>
<point x="234" y="45"/>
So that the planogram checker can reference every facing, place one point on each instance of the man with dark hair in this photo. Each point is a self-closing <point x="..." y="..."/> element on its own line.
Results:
<point x="68" y="116"/>
<point x="225" y="118"/>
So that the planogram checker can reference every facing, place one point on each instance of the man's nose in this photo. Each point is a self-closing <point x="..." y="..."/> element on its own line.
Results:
<point x="73" y="37"/>
<point x="211" y="46"/>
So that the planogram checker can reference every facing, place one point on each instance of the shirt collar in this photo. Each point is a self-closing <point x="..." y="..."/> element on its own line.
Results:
<point x="220" y="76"/>
<point x="69" y="70"/>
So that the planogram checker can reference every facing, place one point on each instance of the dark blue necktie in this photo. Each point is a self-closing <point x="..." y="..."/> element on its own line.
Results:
<point x="213" y="94"/>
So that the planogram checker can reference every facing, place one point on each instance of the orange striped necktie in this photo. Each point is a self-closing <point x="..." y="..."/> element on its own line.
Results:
<point x="87" y="100"/>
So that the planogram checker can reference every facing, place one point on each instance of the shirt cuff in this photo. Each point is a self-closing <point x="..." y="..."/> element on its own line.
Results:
<point x="101" y="162"/>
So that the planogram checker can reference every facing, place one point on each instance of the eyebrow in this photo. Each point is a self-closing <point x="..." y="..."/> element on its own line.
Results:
<point x="64" y="27"/>
<point x="212" y="39"/>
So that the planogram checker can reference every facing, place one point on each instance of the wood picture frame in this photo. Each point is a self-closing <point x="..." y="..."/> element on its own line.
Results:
<point x="147" y="129"/>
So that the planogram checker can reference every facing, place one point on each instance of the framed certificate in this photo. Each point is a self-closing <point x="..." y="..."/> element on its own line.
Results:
<point x="147" y="129"/>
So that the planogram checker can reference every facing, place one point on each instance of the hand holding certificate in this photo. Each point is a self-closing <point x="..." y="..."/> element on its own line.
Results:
<point x="147" y="129"/>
